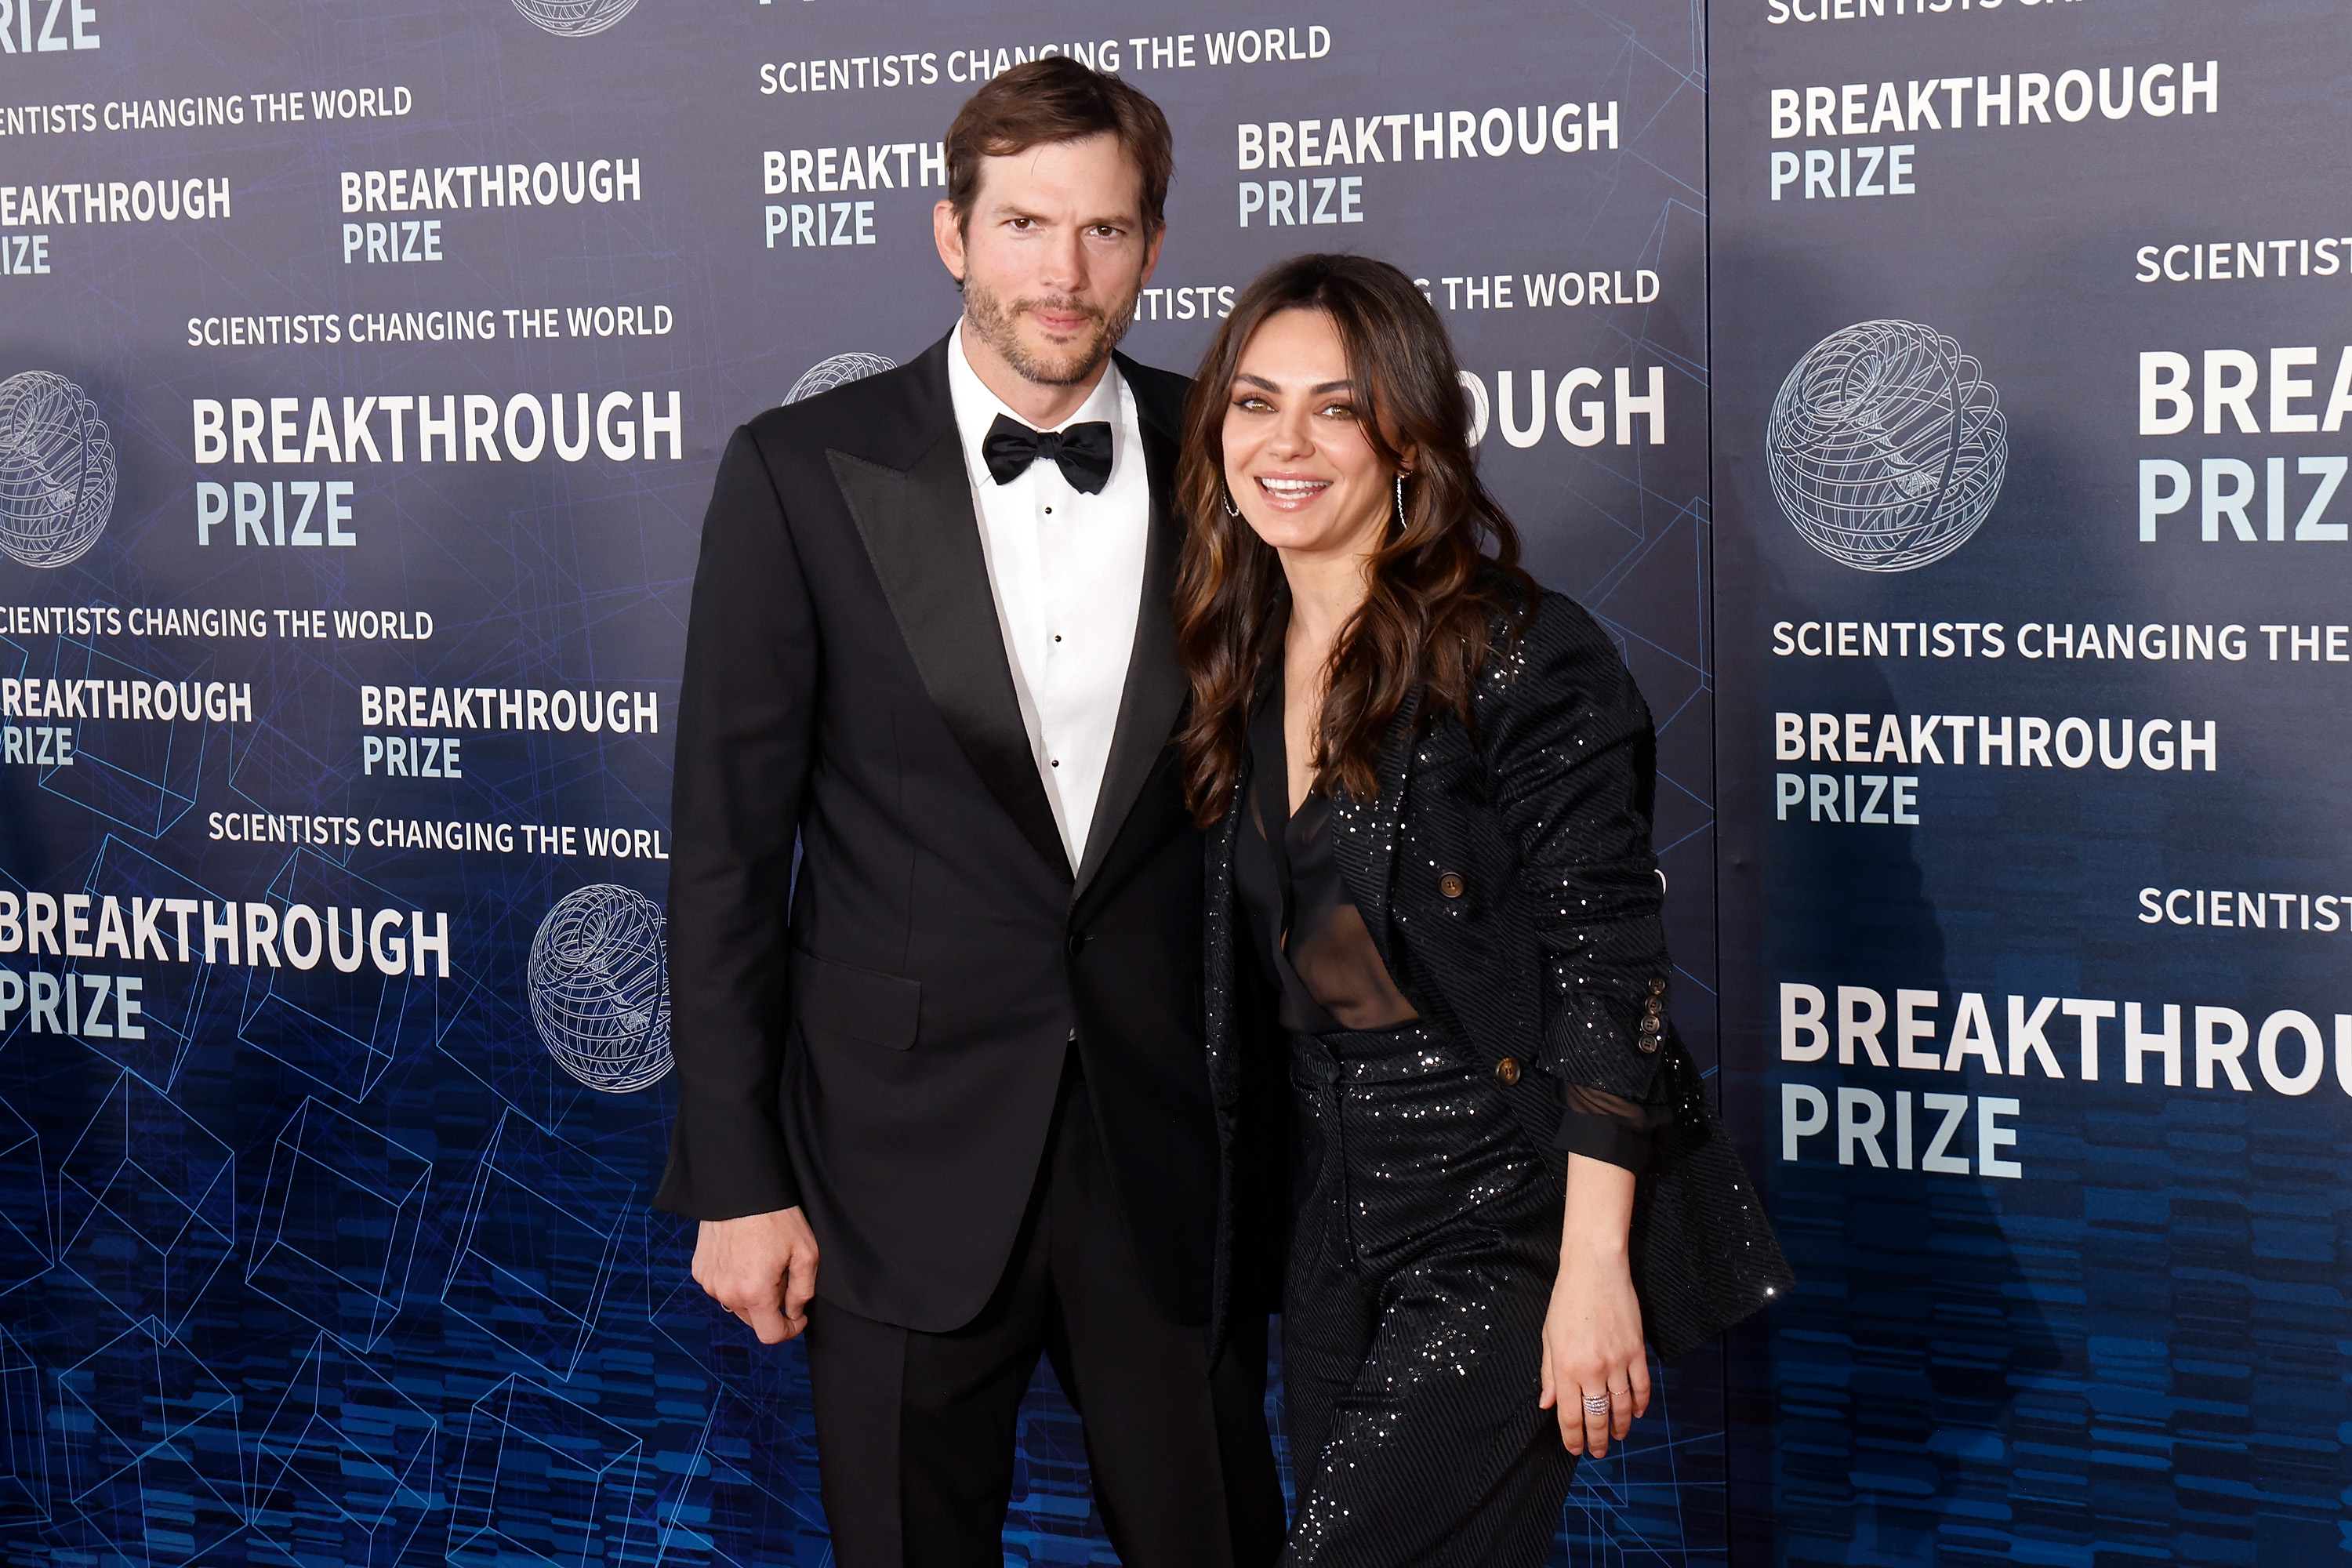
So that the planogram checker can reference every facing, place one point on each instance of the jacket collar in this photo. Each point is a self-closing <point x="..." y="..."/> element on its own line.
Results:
<point x="911" y="501"/>
<point x="1158" y="399"/>
<point x="909" y="493"/>
<point x="1155" y="690"/>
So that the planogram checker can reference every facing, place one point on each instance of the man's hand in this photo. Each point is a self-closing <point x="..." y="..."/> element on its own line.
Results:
<point x="762" y="1268"/>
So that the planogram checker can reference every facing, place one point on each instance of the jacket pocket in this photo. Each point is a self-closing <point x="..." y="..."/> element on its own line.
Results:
<point x="864" y="1004"/>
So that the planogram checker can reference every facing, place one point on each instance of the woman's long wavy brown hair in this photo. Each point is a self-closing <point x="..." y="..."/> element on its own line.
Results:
<point x="1436" y="583"/>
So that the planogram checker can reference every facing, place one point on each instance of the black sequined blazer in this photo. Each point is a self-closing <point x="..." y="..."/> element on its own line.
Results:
<point x="1508" y="878"/>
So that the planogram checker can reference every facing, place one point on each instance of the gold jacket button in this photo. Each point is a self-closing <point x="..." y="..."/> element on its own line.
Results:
<point x="1507" y="1071"/>
<point x="1451" y="884"/>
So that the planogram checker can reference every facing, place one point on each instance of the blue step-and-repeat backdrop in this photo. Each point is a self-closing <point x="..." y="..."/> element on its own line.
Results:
<point x="2030" y="390"/>
<point x="362" y="371"/>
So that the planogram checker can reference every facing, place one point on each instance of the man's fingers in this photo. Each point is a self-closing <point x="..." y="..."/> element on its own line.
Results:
<point x="768" y="1324"/>
<point x="761" y="1269"/>
<point x="800" y="1283"/>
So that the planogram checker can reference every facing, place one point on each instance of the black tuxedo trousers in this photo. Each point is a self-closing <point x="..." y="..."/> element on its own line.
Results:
<point x="911" y="1427"/>
<point x="887" y="1040"/>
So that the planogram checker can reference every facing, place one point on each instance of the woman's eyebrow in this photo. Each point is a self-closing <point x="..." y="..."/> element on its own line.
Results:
<point x="1318" y="390"/>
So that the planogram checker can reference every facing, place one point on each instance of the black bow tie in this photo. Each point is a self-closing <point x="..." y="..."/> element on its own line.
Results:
<point x="1082" y="452"/>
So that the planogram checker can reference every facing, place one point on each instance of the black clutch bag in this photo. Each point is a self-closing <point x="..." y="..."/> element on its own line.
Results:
<point x="1702" y="1253"/>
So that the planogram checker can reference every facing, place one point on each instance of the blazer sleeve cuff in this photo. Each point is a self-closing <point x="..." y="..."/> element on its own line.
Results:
<point x="1609" y="1128"/>
<point x="1602" y="1137"/>
<point x="727" y="1173"/>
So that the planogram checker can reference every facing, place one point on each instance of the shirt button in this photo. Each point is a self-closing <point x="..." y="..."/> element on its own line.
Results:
<point x="1507" y="1071"/>
<point x="1058" y="761"/>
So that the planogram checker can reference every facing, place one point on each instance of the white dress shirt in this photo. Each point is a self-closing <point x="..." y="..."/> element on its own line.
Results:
<point x="1066" y="571"/>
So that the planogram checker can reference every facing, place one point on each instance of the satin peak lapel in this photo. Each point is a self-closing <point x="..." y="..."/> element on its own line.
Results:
<point x="924" y="541"/>
<point x="1154" y="693"/>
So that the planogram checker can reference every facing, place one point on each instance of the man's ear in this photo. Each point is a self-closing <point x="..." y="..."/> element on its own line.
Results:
<point x="1151" y="255"/>
<point x="948" y="232"/>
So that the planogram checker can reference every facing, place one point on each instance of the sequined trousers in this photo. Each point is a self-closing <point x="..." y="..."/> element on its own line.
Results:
<point x="1424" y="1243"/>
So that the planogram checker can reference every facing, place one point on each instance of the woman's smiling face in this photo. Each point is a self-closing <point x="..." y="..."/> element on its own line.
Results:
<point x="1298" y="461"/>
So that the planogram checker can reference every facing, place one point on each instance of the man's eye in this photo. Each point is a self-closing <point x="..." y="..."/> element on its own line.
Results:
<point x="1020" y="223"/>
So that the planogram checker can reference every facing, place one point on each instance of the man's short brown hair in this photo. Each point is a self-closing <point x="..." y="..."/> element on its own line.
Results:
<point x="1058" y="99"/>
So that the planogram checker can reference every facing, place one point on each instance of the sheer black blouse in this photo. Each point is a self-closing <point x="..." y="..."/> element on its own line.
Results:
<point x="1313" y="944"/>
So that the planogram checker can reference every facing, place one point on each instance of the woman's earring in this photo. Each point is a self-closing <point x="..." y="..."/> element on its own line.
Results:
<point x="1400" y="500"/>
<point x="1231" y="509"/>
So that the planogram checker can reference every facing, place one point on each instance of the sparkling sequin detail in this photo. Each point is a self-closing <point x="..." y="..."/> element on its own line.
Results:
<point x="1425" y="1240"/>
<point x="1540" y="806"/>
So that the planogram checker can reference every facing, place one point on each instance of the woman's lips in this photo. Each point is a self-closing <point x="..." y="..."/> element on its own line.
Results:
<point x="1289" y="493"/>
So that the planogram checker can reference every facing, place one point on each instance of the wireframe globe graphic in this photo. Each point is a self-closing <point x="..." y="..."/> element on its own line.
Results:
<point x="599" y="982"/>
<point x="839" y="371"/>
<point x="57" y="469"/>
<point x="575" y="18"/>
<point x="1887" y="445"/>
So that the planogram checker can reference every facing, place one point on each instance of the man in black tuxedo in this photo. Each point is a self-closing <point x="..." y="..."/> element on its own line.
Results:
<point x="931" y="641"/>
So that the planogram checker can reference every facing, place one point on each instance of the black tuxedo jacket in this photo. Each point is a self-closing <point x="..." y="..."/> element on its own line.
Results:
<point x="880" y="1040"/>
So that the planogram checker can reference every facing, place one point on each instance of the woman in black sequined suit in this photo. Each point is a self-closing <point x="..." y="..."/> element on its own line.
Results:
<point x="1434" y="909"/>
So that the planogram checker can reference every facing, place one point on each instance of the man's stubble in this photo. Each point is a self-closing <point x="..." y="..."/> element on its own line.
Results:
<point x="998" y="326"/>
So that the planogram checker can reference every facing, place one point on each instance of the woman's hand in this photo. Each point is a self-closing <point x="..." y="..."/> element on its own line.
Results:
<point x="1592" y="1348"/>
